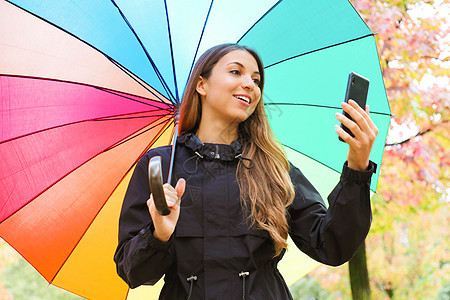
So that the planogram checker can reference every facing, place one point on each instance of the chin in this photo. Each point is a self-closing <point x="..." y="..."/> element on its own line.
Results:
<point x="242" y="117"/>
<point x="239" y="116"/>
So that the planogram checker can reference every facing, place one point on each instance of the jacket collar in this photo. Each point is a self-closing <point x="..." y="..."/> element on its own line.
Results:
<point x="213" y="151"/>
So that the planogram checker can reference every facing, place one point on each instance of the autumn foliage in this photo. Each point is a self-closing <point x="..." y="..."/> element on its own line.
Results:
<point x="407" y="247"/>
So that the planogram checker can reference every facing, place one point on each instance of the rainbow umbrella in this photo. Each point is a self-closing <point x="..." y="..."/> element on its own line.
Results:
<point x="87" y="87"/>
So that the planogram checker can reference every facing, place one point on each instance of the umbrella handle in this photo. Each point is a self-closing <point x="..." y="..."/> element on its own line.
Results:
<point x="156" y="185"/>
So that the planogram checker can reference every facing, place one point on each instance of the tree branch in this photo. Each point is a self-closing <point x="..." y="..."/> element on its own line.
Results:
<point x="408" y="139"/>
<point x="420" y="133"/>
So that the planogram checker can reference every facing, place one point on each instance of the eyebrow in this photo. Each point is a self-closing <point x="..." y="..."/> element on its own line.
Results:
<point x="239" y="64"/>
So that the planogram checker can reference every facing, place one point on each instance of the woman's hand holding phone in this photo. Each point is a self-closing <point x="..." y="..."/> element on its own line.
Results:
<point x="364" y="131"/>
<point x="165" y="225"/>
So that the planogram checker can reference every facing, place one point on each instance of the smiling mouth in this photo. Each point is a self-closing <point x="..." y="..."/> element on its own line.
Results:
<point x="243" y="98"/>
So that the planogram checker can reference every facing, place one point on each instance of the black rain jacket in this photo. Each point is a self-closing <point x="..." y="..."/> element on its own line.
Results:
<point x="213" y="254"/>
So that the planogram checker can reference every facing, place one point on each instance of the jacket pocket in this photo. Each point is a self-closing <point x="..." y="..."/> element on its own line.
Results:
<point x="191" y="195"/>
<point x="190" y="222"/>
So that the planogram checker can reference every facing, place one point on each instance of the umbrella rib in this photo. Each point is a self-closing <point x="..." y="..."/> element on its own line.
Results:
<point x="133" y="76"/>
<point x="81" y="121"/>
<point x="321" y="106"/>
<point x="157" y="136"/>
<point x="71" y="171"/>
<point x="320" y="49"/>
<point x="113" y="92"/>
<point x="132" y="137"/>
<point x="160" y="77"/>
<point x="6" y="201"/>
<point x="262" y="17"/>
<point x="169" y="108"/>
<point x="85" y="84"/>
<point x="177" y="99"/>
<point x="112" y="118"/>
<point x="201" y="36"/>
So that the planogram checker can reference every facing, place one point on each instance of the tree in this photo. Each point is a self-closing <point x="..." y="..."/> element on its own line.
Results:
<point x="359" y="275"/>
<point x="414" y="179"/>
<point x="406" y="255"/>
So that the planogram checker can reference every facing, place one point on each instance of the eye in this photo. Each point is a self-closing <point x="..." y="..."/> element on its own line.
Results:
<point x="235" y="71"/>
<point x="257" y="81"/>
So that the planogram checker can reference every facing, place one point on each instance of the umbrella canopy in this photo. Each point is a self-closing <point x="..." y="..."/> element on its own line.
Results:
<point x="88" y="87"/>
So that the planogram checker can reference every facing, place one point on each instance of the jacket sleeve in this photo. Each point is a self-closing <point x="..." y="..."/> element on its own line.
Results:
<point x="331" y="236"/>
<point x="140" y="258"/>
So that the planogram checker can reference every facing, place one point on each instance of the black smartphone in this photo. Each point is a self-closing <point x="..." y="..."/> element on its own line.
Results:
<point x="357" y="89"/>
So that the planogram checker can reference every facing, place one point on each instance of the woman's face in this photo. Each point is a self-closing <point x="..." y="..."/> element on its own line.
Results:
<point x="231" y="93"/>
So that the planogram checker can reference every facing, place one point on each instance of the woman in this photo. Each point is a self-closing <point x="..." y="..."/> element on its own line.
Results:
<point x="237" y="197"/>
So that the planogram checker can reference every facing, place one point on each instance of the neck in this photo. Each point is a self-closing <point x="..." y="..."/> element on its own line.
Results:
<point x="217" y="132"/>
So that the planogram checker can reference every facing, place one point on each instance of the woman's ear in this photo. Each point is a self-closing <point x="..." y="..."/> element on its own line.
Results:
<point x="200" y="88"/>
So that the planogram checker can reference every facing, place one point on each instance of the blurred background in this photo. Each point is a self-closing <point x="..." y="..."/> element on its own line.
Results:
<point x="407" y="249"/>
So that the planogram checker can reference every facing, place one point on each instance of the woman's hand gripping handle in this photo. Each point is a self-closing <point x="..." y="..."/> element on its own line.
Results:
<point x="164" y="202"/>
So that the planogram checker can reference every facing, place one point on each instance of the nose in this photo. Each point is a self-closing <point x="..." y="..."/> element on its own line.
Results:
<point x="247" y="82"/>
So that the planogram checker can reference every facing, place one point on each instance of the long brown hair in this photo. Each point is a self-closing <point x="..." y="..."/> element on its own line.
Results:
<point x="266" y="189"/>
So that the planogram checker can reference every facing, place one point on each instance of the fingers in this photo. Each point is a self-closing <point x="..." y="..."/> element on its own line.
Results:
<point x="366" y="115"/>
<point x="362" y="122"/>
<point x="344" y="135"/>
<point x="179" y="188"/>
<point x="368" y="126"/>
<point x="150" y="203"/>
<point x="359" y="116"/>
<point x="354" y="128"/>
<point x="372" y="125"/>
<point x="364" y="131"/>
<point x="173" y="195"/>
<point x="152" y="208"/>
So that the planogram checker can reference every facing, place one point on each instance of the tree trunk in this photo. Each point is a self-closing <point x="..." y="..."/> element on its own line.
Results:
<point x="359" y="276"/>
